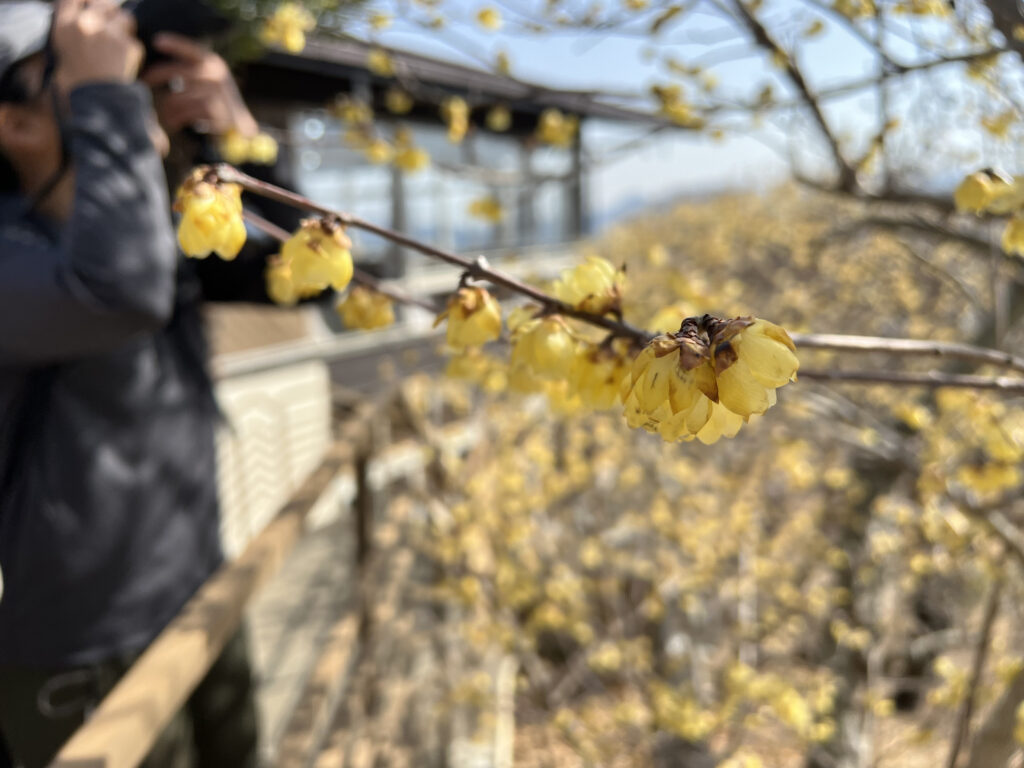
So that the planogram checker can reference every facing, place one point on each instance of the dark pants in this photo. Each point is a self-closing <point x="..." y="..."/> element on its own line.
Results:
<point x="40" y="709"/>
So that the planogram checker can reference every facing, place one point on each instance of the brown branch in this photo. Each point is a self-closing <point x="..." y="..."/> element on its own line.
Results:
<point x="946" y="349"/>
<point x="933" y="379"/>
<point x="478" y="269"/>
<point x="847" y="175"/>
<point x="963" y="719"/>
<point x="358" y="275"/>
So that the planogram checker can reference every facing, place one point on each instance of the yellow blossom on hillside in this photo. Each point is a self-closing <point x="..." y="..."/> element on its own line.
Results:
<point x="364" y="309"/>
<point x="287" y="27"/>
<point x="474" y="318"/>
<point x="211" y="216"/>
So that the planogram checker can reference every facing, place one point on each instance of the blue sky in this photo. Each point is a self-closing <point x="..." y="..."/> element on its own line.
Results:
<point x="675" y="163"/>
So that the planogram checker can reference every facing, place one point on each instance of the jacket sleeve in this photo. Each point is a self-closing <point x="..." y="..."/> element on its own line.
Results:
<point x="110" y="275"/>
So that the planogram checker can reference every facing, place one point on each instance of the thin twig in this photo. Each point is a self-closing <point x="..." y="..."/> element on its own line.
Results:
<point x="963" y="718"/>
<point x="908" y="347"/>
<point x="933" y="379"/>
<point x="477" y="269"/>
<point x="358" y="275"/>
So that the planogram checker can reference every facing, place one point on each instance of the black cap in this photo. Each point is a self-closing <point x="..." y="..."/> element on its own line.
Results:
<point x="24" y="29"/>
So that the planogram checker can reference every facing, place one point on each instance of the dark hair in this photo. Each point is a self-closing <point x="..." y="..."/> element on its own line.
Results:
<point x="9" y="181"/>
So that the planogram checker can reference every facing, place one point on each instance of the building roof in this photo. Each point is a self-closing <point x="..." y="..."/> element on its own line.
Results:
<point x="327" y="60"/>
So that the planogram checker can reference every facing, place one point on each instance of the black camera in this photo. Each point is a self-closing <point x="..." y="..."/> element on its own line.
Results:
<point x="190" y="18"/>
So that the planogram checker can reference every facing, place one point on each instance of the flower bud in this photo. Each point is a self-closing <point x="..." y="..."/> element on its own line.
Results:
<point x="211" y="216"/>
<point x="474" y="318"/>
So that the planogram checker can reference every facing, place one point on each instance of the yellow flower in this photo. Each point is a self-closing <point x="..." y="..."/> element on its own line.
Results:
<point x="378" y="151"/>
<point x="752" y="357"/>
<point x="987" y="190"/>
<point x="474" y="318"/>
<point x="1013" y="235"/>
<point x="594" y="286"/>
<point x="412" y="159"/>
<point x="280" y="287"/>
<point x="597" y="374"/>
<point x="234" y="147"/>
<point x="486" y="208"/>
<point x="489" y="18"/>
<point x="318" y="255"/>
<point x="670" y="388"/>
<point x="555" y="128"/>
<point x="263" y="149"/>
<point x="499" y="119"/>
<point x="379" y="62"/>
<point x="455" y="112"/>
<point x="211" y="216"/>
<point x="721" y="423"/>
<point x="287" y="27"/>
<point x="544" y="346"/>
<point x="237" y="149"/>
<point x="397" y="101"/>
<point x="365" y="309"/>
<point x="380" y="20"/>
<point x="352" y="111"/>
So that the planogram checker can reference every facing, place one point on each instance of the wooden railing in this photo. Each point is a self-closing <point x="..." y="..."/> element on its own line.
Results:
<point x="127" y="723"/>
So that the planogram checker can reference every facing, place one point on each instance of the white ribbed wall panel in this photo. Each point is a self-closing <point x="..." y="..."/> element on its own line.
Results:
<point x="278" y="428"/>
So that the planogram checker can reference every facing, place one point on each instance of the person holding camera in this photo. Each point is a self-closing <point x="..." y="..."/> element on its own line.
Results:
<point x="108" y="505"/>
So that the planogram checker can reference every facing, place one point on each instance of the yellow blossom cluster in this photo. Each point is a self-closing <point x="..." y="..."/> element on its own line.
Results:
<point x="707" y="379"/>
<point x="556" y="128"/>
<point x="287" y="27"/>
<point x="237" y="148"/>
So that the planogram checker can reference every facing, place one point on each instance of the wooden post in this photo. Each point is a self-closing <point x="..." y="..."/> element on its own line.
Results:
<point x="577" y="212"/>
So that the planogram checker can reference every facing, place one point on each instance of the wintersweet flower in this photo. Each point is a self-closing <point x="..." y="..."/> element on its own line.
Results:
<point x="474" y="318"/>
<point x="280" y="287"/>
<point x="486" y="208"/>
<point x="555" y="128"/>
<point x="988" y="191"/>
<point x="499" y="119"/>
<point x="597" y="374"/>
<point x="752" y="358"/>
<point x="544" y="346"/>
<point x="455" y="112"/>
<point x="489" y="18"/>
<point x="594" y="286"/>
<point x="365" y="309"/>
<point x="318" y="255"/>
<point x="211" y="216"/>
<point x="287" y="27"/>
<point x="1013" y="235"/>
<point x="670" y="388"/>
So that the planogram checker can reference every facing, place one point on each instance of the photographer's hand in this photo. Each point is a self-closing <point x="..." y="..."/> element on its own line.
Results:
<point x="206" y="96"/>
<point x="95" y="43"/>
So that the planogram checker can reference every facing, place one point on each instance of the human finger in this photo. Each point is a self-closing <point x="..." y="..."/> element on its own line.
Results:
<point x="164" y="72"/>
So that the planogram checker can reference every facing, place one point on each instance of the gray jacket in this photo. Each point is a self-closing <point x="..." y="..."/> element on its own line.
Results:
<point x="108" y="513"/>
